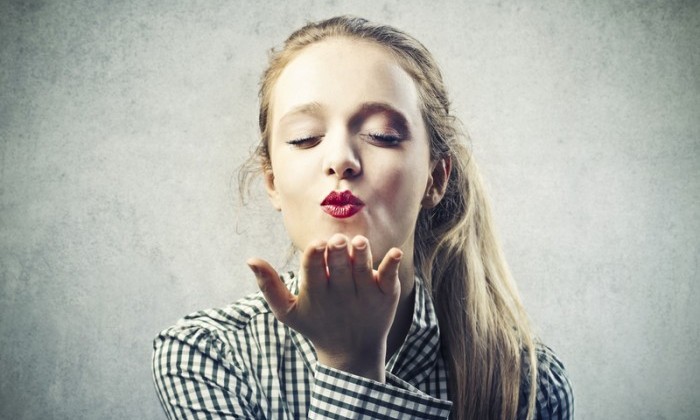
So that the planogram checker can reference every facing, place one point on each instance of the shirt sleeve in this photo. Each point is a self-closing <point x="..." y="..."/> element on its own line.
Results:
<point x="555" y="396"/>
<point x="341" y="395"/>
<point x="194" y="381"/>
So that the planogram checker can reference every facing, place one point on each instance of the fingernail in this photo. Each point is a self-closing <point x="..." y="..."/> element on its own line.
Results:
<point x="254" y="269"/>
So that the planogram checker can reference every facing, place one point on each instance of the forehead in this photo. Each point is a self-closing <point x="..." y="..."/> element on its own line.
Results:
<point x="339" y="74"/>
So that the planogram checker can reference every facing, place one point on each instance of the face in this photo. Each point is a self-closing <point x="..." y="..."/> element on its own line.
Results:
<point x="348" y="147"/>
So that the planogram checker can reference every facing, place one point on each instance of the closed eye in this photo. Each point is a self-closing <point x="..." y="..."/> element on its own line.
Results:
<point x="383" y="139"/>
<point x="305" y="142"/>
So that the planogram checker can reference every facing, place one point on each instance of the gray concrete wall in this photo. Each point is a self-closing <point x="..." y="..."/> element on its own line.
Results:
<point x="122" y="124"/>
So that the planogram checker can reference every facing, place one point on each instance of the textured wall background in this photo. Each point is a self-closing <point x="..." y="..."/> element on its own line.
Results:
<point x="122" y="124"/>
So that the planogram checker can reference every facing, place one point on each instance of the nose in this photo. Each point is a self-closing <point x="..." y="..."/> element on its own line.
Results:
<point x="342" y="158"/>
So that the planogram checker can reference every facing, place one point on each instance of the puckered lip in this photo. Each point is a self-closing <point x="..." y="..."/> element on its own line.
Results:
<point x="341" y="205"/>
<point x="343" y="198"/>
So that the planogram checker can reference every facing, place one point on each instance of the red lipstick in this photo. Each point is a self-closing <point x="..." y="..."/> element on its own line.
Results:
<point x="341" y="204"/>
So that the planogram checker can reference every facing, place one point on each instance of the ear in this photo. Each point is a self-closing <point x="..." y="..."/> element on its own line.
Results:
<point x="269" y="178"/>
<point x="437" y="182"/>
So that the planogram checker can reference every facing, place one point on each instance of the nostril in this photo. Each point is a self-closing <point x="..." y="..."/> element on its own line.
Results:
<point x="343" y="163"/>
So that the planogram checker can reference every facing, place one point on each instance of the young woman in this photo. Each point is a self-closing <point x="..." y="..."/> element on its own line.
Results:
<point x="403" y="306"/>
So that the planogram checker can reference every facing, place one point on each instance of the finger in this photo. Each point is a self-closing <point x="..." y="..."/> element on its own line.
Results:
<point x="280" y="299"/>
<point x="361" y="257"/>
<point x="388" y="272"/>
<point x="339" y="266"/>
<point x="313" y="268"/>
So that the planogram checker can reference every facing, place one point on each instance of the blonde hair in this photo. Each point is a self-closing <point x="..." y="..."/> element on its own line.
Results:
<point x="485" y="333"/>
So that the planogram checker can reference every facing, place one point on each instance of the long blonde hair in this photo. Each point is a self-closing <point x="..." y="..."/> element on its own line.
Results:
<point x="485" y="333"/>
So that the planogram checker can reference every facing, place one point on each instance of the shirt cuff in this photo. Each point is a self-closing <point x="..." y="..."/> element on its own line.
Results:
<point x="337" y="394"/>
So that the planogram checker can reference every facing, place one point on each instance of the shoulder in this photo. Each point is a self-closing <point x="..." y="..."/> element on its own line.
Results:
<point x="210" y="361"/>
<point x="236" y="317"/>
<point x="555" y="397"/>
<point x="226" y="335"/>
<point x="229" y="319"/>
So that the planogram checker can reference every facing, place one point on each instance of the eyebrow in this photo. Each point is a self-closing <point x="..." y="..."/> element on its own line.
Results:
<point x="311" y="108"/>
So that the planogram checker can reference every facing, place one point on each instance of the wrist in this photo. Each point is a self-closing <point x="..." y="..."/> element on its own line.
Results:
<point x="367" y="365"/>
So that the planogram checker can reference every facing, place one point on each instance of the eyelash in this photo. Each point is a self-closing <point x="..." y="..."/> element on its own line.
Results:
<point x="380" y="138"/>
<point x="303" y="141"/>
<point x="385" y="139"/>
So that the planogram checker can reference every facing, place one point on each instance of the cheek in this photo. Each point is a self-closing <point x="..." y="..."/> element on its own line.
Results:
<point x="292" y="185"/>
<point x="406" y="179"/>
<point x="402" y="192"/>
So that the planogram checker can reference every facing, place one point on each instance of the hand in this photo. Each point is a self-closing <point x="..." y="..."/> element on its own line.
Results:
<point x="344" y="306"/>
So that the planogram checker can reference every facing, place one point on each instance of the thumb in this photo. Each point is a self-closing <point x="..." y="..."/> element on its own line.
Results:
<point x="280" y="299"/>
<point x="388" y="272"/>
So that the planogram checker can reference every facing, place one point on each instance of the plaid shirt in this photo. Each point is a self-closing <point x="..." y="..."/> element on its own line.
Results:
<point x="240" y="362"/>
